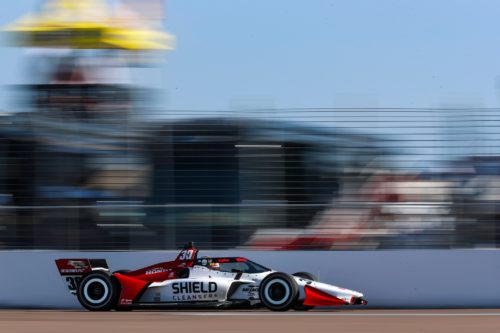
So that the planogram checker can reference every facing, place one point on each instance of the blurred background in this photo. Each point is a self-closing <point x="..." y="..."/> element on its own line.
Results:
<point x="330" y="125"/>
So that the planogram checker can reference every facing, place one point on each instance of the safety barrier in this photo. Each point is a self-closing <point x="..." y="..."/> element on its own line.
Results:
<point x="404" y="278"/>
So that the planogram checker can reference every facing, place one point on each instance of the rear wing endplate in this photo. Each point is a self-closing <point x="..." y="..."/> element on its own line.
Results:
<point x="72" y="270"/>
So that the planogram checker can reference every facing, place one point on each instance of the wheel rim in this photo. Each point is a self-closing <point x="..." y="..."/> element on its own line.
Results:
<point x="277" y="292"/>
<point x="95" y="290"/>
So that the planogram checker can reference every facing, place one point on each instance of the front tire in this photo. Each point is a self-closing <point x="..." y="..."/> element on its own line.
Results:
<point x="98" y="292"/>
<point x="278" y="292"/>
<point x="307" y="276"/>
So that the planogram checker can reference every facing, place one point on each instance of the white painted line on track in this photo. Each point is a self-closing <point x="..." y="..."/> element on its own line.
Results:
<point x="334" y="314"/>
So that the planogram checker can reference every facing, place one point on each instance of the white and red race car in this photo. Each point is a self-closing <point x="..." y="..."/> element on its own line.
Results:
<point x="189" y="282"/>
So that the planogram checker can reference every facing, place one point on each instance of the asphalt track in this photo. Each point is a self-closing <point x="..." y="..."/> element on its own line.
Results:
<point x="386" y="321"/>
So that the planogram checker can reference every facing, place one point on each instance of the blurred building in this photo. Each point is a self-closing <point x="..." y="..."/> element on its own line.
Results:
<point x="74" y="179"/>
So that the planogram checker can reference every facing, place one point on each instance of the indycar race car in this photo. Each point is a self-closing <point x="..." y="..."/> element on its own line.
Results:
<point x="189" y="281"/>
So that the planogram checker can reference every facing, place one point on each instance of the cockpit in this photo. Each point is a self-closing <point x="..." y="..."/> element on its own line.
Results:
<point x="232" y="265"/>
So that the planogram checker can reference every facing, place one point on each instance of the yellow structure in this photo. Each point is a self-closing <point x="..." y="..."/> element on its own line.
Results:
<point x="89" y="24"/>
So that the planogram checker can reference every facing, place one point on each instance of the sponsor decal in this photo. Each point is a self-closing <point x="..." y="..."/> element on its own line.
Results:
<point x="252" y="291"/>
<point x="194" y="297"/>
<point x="77" y="263"/>
<point x="125" y="301"/>
<point x="191" y="291"/>
<point x="72" y="270"/>
<point x="194" y="287"/>
<point x="74" y="266"/>
<point x="157" y="270"/>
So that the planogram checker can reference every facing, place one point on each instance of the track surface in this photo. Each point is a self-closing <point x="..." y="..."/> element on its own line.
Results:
<point x="385" y="321"/>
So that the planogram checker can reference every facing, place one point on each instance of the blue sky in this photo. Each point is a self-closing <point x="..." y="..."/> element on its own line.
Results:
<point x="319" y="53"/>
<point x="322" y="53"/>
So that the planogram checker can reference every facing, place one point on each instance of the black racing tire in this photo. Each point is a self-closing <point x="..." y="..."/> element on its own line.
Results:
<point x="307" y="276"/>
<point x="278" y="291"/>
<point x="98" y="292"/>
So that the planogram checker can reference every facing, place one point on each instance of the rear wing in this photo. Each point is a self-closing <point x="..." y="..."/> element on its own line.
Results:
<point x="72" y="270"/>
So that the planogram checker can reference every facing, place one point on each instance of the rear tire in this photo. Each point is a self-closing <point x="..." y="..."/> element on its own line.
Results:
<point x="278" y="292"/>
<point x="98" y="292"/>
<point x="307" y="276"/>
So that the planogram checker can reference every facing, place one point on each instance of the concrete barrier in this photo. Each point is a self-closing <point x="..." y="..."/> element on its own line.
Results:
<point x="408" y="278"/>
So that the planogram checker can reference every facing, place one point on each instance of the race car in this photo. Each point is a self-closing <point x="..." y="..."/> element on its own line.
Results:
<point x="189" y="281"/>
